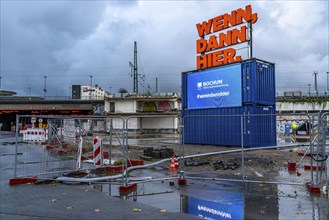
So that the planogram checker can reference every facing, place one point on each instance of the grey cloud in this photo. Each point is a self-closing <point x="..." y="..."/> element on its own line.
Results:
<point x="70" y="40"/>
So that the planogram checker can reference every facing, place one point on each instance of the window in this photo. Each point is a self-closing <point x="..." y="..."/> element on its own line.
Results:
<point x="112" y="107"/>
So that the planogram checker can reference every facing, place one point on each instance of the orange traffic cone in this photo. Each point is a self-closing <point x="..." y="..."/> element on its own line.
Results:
<point x="172" y="164"/>
<point x="176" y="162"/>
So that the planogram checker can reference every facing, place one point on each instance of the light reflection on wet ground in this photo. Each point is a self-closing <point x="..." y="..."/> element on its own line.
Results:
<point x="297" y="201"/>
<point x="254" y="200"/>
<point x="260" y="201"/>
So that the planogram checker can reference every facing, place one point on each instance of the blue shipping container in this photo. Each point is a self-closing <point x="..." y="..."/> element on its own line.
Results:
<point x="184" y="91"/>
<point x="257" y="82"/>
<point x="226" y="126"/>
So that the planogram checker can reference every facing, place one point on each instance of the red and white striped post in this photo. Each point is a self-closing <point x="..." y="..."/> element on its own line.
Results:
<point x="79" y="153"/>
<point x="98" y="157"/>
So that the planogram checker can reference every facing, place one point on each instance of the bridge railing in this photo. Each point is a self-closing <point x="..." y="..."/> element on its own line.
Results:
<point x="301" y="94"/>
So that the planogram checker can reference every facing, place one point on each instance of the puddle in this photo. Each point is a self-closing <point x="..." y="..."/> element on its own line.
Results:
<point x="209" y="199"/>
<point x="228" y="200"/>
<point x="296" y="201"/>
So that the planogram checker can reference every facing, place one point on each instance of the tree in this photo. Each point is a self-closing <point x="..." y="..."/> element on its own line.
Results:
<point x="123" y="90"/>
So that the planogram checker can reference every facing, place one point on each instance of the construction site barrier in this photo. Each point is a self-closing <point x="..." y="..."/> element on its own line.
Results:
<point x="172" y="136"/>
<point x="37" y="135"/>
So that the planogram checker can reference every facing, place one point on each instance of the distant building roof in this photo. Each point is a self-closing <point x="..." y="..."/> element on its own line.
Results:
<point x="7" y="93"/>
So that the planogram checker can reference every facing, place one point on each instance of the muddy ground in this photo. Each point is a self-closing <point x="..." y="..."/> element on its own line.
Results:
<point x="258" y="163"/>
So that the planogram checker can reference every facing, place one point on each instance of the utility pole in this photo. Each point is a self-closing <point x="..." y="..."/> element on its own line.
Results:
<point x="149" y="88"/>
<point x="135" y="69"/>
<point x="316" y="83"/>
<point x="249" y="24"/>
<point x="90" y="89"/>
<point x="309" y="89"/>
<point x="30" y="91"/>
<point x="156" y="86"/>
<point x="45" y="89"/>
<point x="69" y="92"/>
<point x="0" y="82"/>
<point x="327" y="81"/>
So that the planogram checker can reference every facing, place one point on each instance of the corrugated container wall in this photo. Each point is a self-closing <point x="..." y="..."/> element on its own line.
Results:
<point x="258" y="83"/>
<point x="223" y="126"/>
<point x="184" y="91"/>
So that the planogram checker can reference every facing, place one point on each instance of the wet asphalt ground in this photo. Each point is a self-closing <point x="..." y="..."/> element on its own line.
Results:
<point x="73" y="202"/>
<point x="60" y="201"/>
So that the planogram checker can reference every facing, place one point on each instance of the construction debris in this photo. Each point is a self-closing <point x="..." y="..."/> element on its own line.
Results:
<point x="225" y="165"/>
<point x="195" y="162"/>
<point x="158" y="153"/>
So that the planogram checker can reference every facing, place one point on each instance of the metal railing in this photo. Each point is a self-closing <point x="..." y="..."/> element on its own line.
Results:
<point x="301" y="94"/>
<point x="139" y="132"/>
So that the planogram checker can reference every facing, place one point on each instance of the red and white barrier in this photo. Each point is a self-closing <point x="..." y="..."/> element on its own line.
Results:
<point x="38" y="135"/>
<point x="97" y="153"/>
<point x="79" y="153"/>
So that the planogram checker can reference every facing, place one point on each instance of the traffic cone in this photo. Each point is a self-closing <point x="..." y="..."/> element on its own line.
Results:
<point x="172" y="164"/>
<point x="176" y="162"/>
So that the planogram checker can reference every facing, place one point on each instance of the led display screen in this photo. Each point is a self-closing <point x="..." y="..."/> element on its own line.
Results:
<point x="215" y="88"/>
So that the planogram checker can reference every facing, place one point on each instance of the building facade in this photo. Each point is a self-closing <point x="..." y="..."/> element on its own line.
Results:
<point x="88" y="92"/>
<point x="144" y="112"/>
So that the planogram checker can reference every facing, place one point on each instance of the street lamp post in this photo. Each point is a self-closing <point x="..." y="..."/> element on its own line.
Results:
<point x="316" y="83"/>
<point x="69" y="92"/>
<point x="327" y="81"/>
<point x="45" y="89"/>
<point x="91" y="84"/>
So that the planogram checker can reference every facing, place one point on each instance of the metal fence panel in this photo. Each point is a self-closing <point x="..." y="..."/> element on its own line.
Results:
<point x="58" y="153"/>
<point x="158" y="144"/>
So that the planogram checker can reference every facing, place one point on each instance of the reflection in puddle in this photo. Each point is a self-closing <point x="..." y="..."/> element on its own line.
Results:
<point x="227" y="200"/>
<point x="213" y="209"/>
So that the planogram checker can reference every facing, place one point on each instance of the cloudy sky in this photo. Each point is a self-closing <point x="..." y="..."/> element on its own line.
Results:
<point x="68" y="41"/>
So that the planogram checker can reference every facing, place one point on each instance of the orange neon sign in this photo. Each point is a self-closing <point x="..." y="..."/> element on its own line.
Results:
<point x="213" y="51"/>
